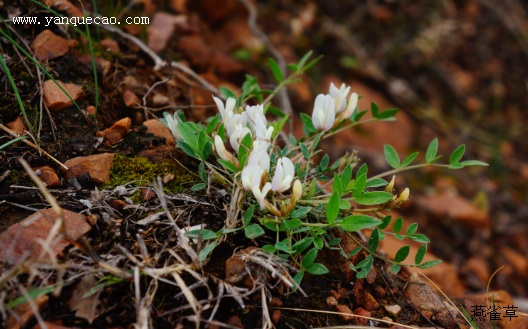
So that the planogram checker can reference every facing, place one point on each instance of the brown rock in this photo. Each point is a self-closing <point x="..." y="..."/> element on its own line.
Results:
<point x="275" y="302"/>
<point x="110" y="45"/>
<point x="24" y="312"/>
<point x="160" y="31"/>
<point x="48" y="45"/>
<point x="424" y="299"/>
<point x="331" y="301"/>
<point x="196" y="50"/>
<point x="456" y="207"/>
<point x="91" y="110"/>
<point x="215" y="13"/>
<point x="179" y="6"/>
<point x="369" y="302"/>
<point x="156" y="128"/>
<point x="148" y="194"/>
<point x="236" y="268"/>
<point x="478" y="268"/>
<point x="55" y="98"/>
<point x="235" y="321"/>
<point x="17" y="126"/>
<point x="276" y="316"/>
<point x="48" y="176"/>
<point x="101" y="63"/>
<point x="23" y="239"/>
<point x="97" y="166"/>
<point x="515" y="259"/>
<point x="131" y="100"/>
<point x="336" y="294"/>
<point x="362" y="317"/>
<point x="115" y="133"/>
<point x="498" y="303"/>
<point x="346" y="310"/>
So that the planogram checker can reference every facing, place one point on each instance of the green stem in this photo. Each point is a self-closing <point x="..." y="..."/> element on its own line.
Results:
<point x="399" y="170"/>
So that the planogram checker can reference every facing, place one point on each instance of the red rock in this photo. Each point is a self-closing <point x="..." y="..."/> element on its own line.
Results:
<point x="331" y="301"/>
<point x="276" y="316"/>
<point x="156" y="128"/>
<point x="160" y="31"/>
<point x="515" y="259"/>
<point x="110" y="45"/>
<point x="369" y="302"/>
<point x="17" y="125"/>
<point x="48" y="176"/>
<point x="479" y="268"/>
<point x="235" y="322"/>
<point x="336" y="294"/>
<point x="48" y="45"/>
<point x="115" y="133"/>
<point x="25" y="313"/>
<point x="23" y="239"/>
<point x="275" y="302"/>
<point x="346" y="310"/>
<point x="91" y="110"/>
<point x="55" y="98"/>
<point x="148" y="194"/>
<point x="98" y="166"/>
<point x="362" y="321"/>
<point x="456" y="207"/>
<point x="131" y="100"/>
<point x="214" y="13"/>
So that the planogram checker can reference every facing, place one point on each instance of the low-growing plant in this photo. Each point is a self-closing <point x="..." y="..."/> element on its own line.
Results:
<point x="287" y="187"/>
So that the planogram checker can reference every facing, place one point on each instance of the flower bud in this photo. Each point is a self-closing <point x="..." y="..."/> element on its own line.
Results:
<point x="221" y="150"/>
<point x="390" y="186"/>
<point x="404" y="196"/>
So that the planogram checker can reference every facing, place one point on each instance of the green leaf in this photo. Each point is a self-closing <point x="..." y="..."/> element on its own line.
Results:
<point x="408" y="160"/>
<point x="355" y="252"/>
<point x="362" y="170"/>
<point x="391" y="156"/>
<point x="398" y="225"/>
<point x="431" y="151"/>
<point x="309" y="257"/>
<point x="376" y="182"/>
<point x="357" y="115"/>
<point x="206" y="234"/>
<point x="468" y="163"/>
<point x="305" y="151"/>
<point x="304" y="59"/>
<point x="316" y="141"/>
<point x="298" y="279"/>
<point x="292" y="224"/>
<point x="244" y="149"/>
<point x="419" y="238"/>
<point x="324" y="163"/>
<point x="227" y="92"/>
<point x="212" y="124"/>
<point x="373" y="198"/>
<point x="275" y="69"/>
<point x="317" y="269"/>
<point x="248" y="215"/>
<point x="457" y="154"/>
<point x="344" y="204"/>
<point x="359" y="185"/>
<point x="302" y="244"/>
<point x="311" y="63"/>
<point x="395" y="268"/>
<point x="332" y="208"/>
<point x="456" y="165"/>
<point x="355" y="223"/>
<point x="420" y="254"/>
<point x="300" y="212"/>
<point x="202" y="173"/>
<point x="318" y="242"/>
<point x="429" y="264"/>
<point x="366" y="263"/>
<point x="385" y="222"/>
<point x="374" y="109"/>
<point x="399" y="236"/>
<point x="253" y="231"/>
<point x="388" y="114"/>
<point x="337" y="186"/>
<point x="207" y="250"/>
<point x="346" y="175"/>
<point x="402" y="254"/>
<point x="373" y="241"/>
<point x="269" y="248"/>
<point x="188" y="135"/>
<point x="283" y="246"/>
<point x="292" y="67"/>
<point x="33" y="294"/>
<point x="198" y="187"/>
<point x="411" y="229"/>
<point x="228" y="165"/>
<point x="308" y="127"/>
<point x="186" y="148"/>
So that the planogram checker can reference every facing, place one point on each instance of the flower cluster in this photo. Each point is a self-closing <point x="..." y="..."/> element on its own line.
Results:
<point x="254" y="176"/>
<point x="333" y="107"/>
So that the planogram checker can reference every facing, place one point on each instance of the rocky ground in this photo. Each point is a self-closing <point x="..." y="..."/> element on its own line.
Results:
<point x="456" y="70"/>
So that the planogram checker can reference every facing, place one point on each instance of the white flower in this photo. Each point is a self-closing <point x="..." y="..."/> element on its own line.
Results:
<point x="259" y="157"/>
<point x="323" y="116"/>
<point x="339" y="96"/>
<point x="172" y="124"/>
<point x="257" y="121"/>
<point x="352" y="103"/>
<point x="221" y="150"/>
<point x="235" y="122"/>
<point x="251" y="179"/>
<point x="236" y="137"/>
<point x="227" y="111"/>
<point x="283" y="177"/>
